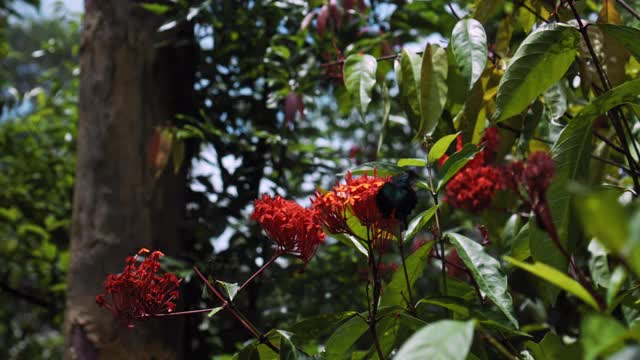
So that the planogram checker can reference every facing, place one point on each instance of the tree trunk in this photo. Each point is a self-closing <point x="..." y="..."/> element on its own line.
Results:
<point x="131" y="81"/>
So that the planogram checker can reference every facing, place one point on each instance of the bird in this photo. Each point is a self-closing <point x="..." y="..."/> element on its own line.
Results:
<point x="399" y="195"/>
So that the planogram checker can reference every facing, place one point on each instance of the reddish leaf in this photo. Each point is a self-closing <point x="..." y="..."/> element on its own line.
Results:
<point x="323" y="15"/>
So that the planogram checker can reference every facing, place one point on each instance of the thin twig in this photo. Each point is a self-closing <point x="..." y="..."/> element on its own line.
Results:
<point x="453" y="12"/>
<point x="257" y="273"/>
<point x="631" y="10"/>
<point x="409" y="301"/>
<point x="535" y="13"/>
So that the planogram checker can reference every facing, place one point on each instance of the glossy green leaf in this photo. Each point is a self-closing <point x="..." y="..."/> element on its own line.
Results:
<point x="520" y="248"/>
<point x="440" y="147"/>
<point x="626" y="35"/>
<point x="411" y="162"/>
<point x="231" y="289"/>
<point x="469" y="45"/>
<point x="487" y="273"/>
<point x="600" y="334"/>
<point x="288" y="350"/>
<point x="541" y="60"/>
<point x="556" y="278"/>
<point x="396" y="291"/>
<point x="418" y="222"/>
<point x="551" y="347"/>
<point x="215" y="311"/>
<point x="359" y="78"/>
<point x="352" y="242"/>
<point x="456" y="162"/>
<point x="443" y="340"/>
<point x="433" y="88"/>
<point x="410" y="65"/>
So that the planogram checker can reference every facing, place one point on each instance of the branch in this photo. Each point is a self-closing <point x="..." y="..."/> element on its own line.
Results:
<point x="631" y="10"/>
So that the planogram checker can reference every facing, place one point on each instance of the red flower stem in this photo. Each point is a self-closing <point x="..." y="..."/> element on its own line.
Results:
<point x="257" y="273"/>
<point x="229" y="306"/>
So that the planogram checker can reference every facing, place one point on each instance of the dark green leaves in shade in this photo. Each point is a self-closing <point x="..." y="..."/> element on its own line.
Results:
<point x="359" y="78"/>
<point x="556" y="278"/>
<point x="433" y="88"/>
<point x="627" y="36"/>
<point x="541" y="60"/>
<point x="396" y="290"/>
<point x="441" y="340"/>
<point x="344" y="337"/>
<point x="469" y="44"/>
<point x="601" y="335"/>
<point x="486" y="272"/>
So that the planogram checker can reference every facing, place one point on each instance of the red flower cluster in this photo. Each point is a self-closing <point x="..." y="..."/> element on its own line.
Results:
<point x="475" y="186"/>
<point x="357" y="196"/>
<point x="138" y="292"/>
<point x="292" y="227"/>
<point x="535" y="175"/>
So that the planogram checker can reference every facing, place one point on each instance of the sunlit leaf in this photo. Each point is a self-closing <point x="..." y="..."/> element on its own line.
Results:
<point x="469" y="44"/>
<point x="433" y="88"/>
<point x="440" y="147"/>
<point x="359" y="78"/>
<point x="444" y="340"/>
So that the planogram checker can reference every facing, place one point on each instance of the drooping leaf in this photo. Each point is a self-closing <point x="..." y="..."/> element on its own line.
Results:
<point x="433" y="88"/>
<point x="352" y="242"/>
<point x="486" y="272"/>
<point x="440" y="147"/>
<point x="444" y="340"/>
<point x="469" y="44"/>
<point x="409" y="83"/>
<point x="556" y="278"/>
<point x="418" y="222"/>
<point x="359" y="78"/>
<point x="541" y="60"/>
<point x="396" y="290"/>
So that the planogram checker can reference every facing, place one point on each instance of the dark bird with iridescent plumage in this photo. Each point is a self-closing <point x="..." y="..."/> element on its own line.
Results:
<point x="398" y="197"/>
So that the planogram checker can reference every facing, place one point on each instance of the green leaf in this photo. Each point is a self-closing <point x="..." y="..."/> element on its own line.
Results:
<point x="397" y="287"/>
<point x="456" y="162"/>
<point x="545" y="251"/>
<point x="433" y="88"/>
<point x="556" y="278"/>
<point x="627" y="36"/>
<point x="410" y="65"/>
<point x="486" y="271"/>
<point x="386" y="107"/>
<point x="156" y="8"/>
<point x="520" y="248"/>
<point x="541" y="60"/>
<point x="599" y="264"/>
<point x="627" y="93"/>
<point x="440" y="147"/>
<point x="359" y="78"/>
<point x="443" y="340"/>
<point x="215" y="311"/>
<point x="469" y="45"/>
<point x="288" y="350"/>
<point x="344" y="337"/>
<point x="381" y="168"/>
<point x="616" y="281"/>
<point x="418" y="222"/>
<point x="552" y="347"/>
<point x="230" y="288"/>
<point x="351" y="241"/>
<point x="599" y="334"/>
<point x="411" y="162"/>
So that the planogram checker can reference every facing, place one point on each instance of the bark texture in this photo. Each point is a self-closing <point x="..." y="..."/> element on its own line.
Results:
<point x="132" y="79"/>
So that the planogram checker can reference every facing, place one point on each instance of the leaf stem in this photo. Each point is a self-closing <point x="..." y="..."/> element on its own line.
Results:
<point x="373" y="309"/>
<point x="257" y="273"/>
<point x="409" y="301"/>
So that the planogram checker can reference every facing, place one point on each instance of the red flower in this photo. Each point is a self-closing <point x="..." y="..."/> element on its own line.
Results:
<point x="138" y="292"/>
<point x="357" y="196"/>
<point x="512" y="174"/>
<point x="537" y="175"/>
<point x="474" y="188"/>
<point x="292" y="227"/>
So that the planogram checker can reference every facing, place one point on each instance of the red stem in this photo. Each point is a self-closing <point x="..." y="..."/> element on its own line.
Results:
<point x="257" y="273"/>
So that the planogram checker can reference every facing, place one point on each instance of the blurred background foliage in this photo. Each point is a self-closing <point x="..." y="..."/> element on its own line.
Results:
<point x="272" y="119"/>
